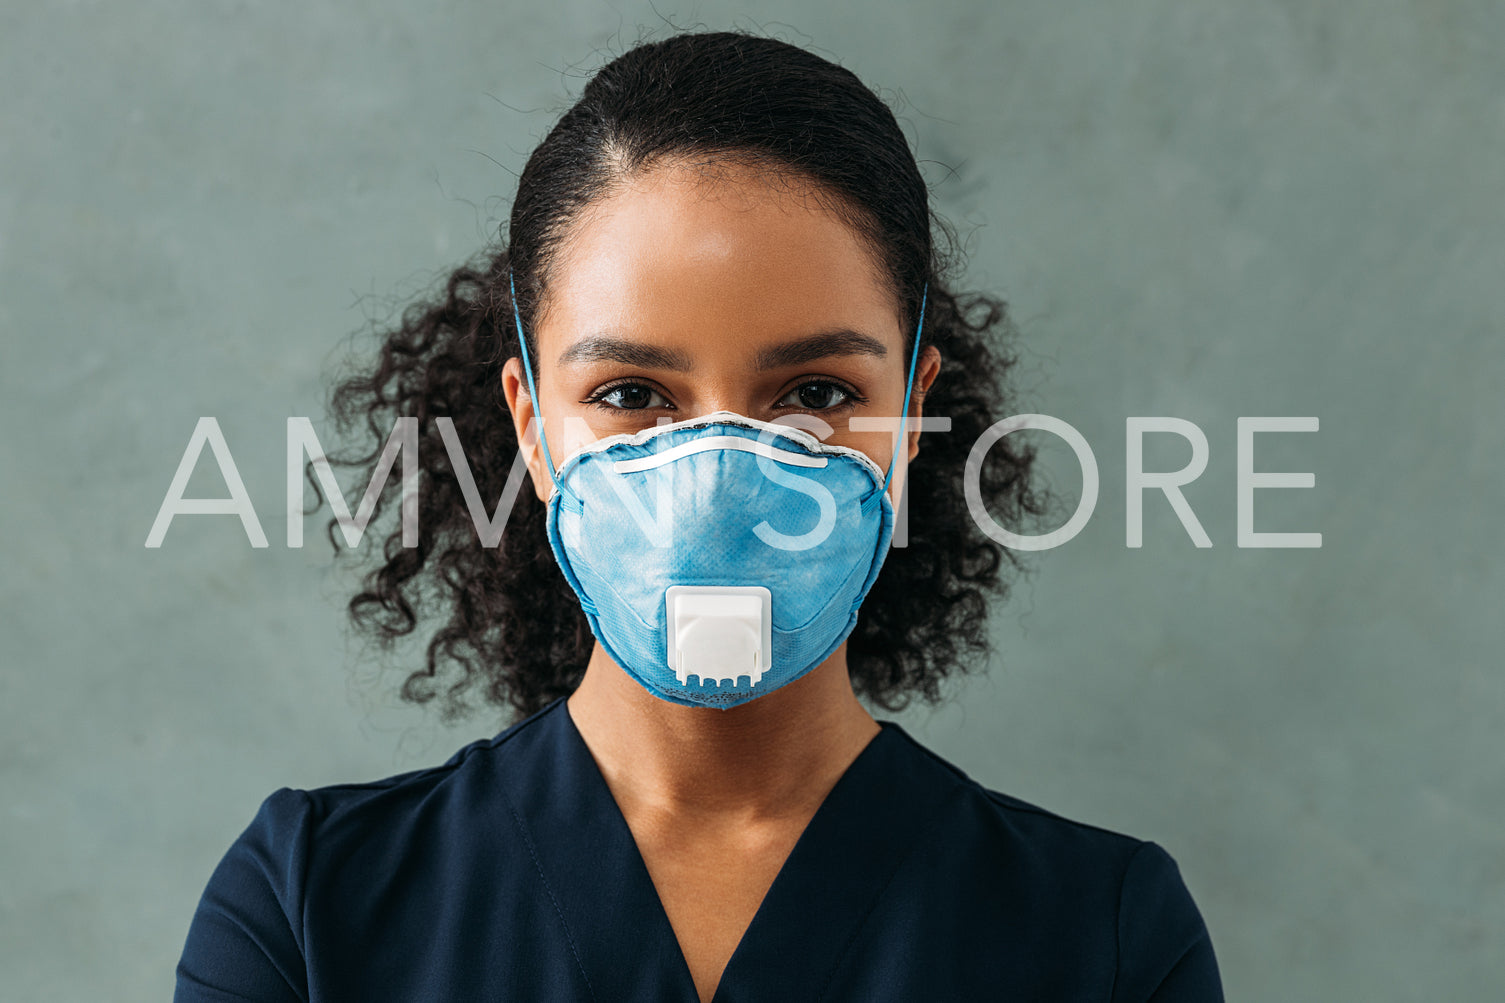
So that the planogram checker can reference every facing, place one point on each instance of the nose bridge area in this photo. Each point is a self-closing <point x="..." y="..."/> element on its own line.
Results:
<point x="724" y="377"/>
<point x="724" y="390"/>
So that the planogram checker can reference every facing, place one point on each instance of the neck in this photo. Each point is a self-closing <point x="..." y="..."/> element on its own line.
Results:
<point x="775" y="756"/>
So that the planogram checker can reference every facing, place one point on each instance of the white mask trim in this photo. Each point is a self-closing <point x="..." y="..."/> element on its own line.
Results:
<point x="709" y="442"/>
<point x="797" y="435"/>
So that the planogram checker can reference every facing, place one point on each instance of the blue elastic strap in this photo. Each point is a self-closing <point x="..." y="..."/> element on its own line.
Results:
<point x="522" y="341"/>
<point x="908" y="386"/>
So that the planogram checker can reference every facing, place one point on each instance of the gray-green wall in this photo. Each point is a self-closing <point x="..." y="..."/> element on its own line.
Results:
<point x="1198" y="209"/>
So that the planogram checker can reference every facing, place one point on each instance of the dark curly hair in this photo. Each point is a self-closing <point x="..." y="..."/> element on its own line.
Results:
<point x="515" y="631"/>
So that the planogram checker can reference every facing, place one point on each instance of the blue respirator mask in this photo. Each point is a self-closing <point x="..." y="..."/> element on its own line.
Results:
<point x="719" y="558"/>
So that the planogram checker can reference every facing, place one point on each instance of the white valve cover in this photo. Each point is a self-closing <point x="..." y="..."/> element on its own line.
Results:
<point x="719" y="632"/>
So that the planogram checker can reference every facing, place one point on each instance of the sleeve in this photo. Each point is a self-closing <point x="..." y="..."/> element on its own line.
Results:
<point x="246" y="939"/>
<point x="1164" y="950"/>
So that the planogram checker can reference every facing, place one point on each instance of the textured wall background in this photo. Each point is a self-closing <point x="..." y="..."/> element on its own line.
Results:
<point x="1202" y="210"/>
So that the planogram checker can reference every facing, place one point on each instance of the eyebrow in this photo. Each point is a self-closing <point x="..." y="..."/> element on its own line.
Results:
<point x="610" y="348"/>
<point x="820" y="346"/>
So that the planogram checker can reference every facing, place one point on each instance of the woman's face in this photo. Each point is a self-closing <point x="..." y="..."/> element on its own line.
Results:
<point x="684" y="293"/>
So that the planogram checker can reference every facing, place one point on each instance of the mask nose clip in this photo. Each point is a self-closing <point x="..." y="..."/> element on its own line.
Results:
<point x="719" y="632"/>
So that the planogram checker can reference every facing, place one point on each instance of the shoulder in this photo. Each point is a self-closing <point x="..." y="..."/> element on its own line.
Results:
<point x="999" y="822"/>
<point x="334" y="823"/>
<point x="1075" y="881"/>
<point x="312" y="853"/>
<point x="341" y="813"/>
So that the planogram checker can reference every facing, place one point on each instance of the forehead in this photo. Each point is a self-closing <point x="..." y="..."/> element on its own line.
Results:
<point x="678" y="252"/>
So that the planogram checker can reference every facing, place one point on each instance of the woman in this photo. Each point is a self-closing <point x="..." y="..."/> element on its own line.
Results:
<point x="720" y="262"/>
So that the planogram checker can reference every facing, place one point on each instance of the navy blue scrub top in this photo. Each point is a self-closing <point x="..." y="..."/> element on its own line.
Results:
<point x="508" y="873"/>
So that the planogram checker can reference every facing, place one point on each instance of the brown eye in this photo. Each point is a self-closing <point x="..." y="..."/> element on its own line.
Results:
<point x="816" y="395"/>
<point x="631" y="397"/>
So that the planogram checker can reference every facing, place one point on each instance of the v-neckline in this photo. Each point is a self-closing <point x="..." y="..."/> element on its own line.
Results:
<point x="618" y="928"/>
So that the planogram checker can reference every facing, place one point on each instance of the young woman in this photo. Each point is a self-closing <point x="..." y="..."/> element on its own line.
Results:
<point x="718" y="297"/>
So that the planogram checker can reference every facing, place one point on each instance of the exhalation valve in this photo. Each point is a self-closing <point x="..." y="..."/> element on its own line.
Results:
<point x="719" y="632"/>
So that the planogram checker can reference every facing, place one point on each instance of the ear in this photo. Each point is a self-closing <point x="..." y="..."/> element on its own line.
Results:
<point x="520" y="403"/>
<point x="926" y="369"/>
